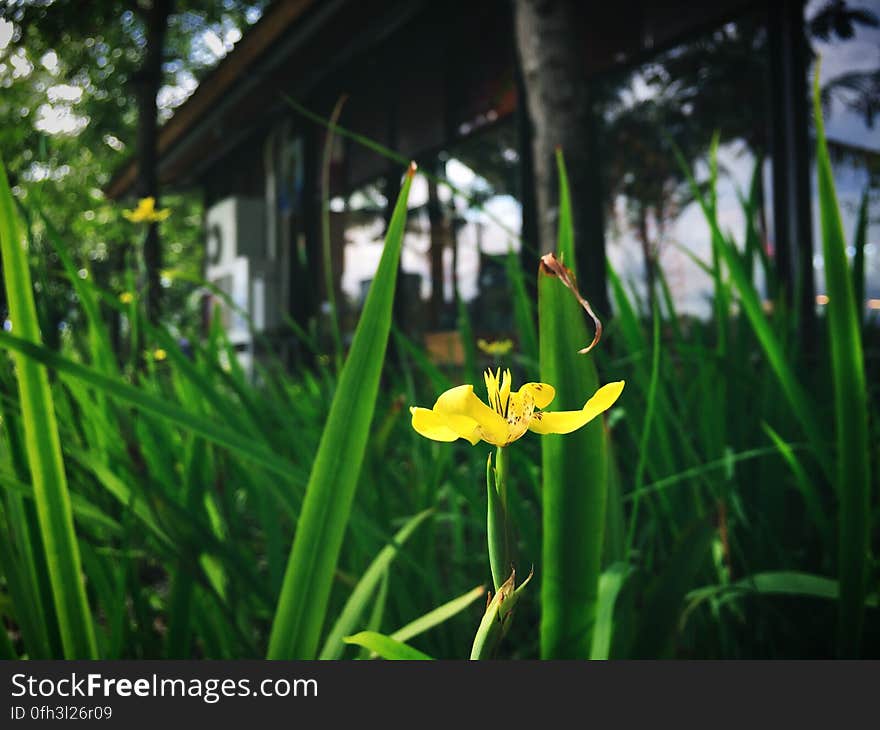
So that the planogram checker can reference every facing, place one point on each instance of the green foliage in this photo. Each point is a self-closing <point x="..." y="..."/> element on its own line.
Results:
<point x="852" y="478"/>
<point x="321" y="526"/>
<point x="68" y="121"/>
<point x="573" y="466"/>
<point x="188" y="480"/>
<point x="385" y="646"/>
<point x="43" y="446"/>
<point x="367" y="586"/>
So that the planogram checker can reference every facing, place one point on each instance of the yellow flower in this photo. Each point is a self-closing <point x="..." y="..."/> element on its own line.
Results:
<point x="126" y="297"/>
<point x="459" y="413"/>
<point x="146" y="212"/>
<point x="159" y="354"/>
<point x="499" y="347"/>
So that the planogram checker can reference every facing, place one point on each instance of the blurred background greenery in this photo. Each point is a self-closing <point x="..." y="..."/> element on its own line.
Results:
<point x="731" y="495"/>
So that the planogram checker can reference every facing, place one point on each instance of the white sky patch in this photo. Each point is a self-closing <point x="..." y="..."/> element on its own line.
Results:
<point x="59" y="119"/>
<point x="38" y="172"/>
<point x="114" y="143"/>
<point x="639" y="91"/>
<point x="21" y="66"/>
<point x="506" y="211"/>
<point x="173" y="95"/>
<point x="64" y="92"/>
<point x="214" y="43"/>
<point x="691" y="287"/>
<point x="418" y="192"/>
<point x="859" y="53"/>
<point x="7" y="30"/>
<point x="459" y="174"/>
<point x="493" y="230"/>
<point x="233" y="36"/>
<point x="49" y="61"/>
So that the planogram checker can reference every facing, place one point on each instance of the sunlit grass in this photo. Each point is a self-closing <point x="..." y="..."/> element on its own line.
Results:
<point x="718" y="511"/>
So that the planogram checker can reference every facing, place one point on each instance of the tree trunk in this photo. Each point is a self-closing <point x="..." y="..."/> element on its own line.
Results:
<point x="438" y="239"/>
<point x="147" y="83"/>
<point x="648" y="253"/>
<point x="558" y="102"/>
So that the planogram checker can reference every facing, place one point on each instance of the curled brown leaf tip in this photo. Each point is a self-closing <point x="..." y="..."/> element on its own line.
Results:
<point x="552" y="266"/>
<point x="412" y="169"/>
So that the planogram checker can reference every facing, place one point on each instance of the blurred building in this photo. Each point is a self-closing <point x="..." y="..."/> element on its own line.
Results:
<point x="439" y="83"/>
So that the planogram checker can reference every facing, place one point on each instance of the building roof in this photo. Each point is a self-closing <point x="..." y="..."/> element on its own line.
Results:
<point x="276" y="21"/>
<point x="297" y="43"/>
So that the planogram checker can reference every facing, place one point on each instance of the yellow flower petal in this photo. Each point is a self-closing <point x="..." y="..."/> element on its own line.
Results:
<point x="432" y="425"/>
<point x="520" y="410"/>
<point x="499" y="347"/>
<point x="542" y="393"/>
<point x="461" y="401"/>
<point x="504" y="391"/>
<point x="146" y="212"/>
<point x="568" y="421"/>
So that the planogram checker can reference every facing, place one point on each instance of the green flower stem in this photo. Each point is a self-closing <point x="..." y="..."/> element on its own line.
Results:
<point x="498" y="522"/>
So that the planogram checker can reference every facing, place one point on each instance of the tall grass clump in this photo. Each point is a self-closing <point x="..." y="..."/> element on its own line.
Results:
<point x="156" y="500"/>
<point x="57" y="537"/>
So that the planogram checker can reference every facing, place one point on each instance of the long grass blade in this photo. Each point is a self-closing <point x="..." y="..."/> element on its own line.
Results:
<point x="574" y="466"/>
<point x="850" y="404"/>
<point x="804" y="485"/>
<point x="665" y="597"/>
<point x="149" y="403"/>
<point x="439" y="615"/>
<point x="796" y="395"/>
<point x="359" y="599"/>
<point x="385" y="646"/>
<point x="781" y="583"/>
<point x="44" y="447"/>
<point x="858" y="268"/>
<point x="326" y="160"/>
<point x="306" y="590"/>
<point x="610" y="583"/>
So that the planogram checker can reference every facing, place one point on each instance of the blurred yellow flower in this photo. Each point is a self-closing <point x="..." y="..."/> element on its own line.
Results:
<point x="159" y="354"/>
<point x="497" y="347"/>
<point x="126" y="297"/>
<point x="459" y="413"/>
<point x="146" y="212"/>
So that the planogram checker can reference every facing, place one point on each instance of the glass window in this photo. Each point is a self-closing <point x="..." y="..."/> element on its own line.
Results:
<point x="712" y="83"/>
<point x="850" y="83"/>
<point x="357" y="233"/>
<point x="486" y="217"/>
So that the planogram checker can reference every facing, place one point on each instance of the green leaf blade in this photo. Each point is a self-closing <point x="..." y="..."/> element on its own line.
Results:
<point x="850" y="404"/>
<point x="574" y="467"/>
<point x="44" y="447"/>
<point x="306" y="589"/>
<point x="386" y="647"/>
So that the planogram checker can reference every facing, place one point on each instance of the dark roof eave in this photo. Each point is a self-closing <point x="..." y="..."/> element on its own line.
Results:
<point x="279" y="17"/>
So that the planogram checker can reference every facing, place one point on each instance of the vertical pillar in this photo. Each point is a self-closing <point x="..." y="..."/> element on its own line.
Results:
<point x="790" y="148"/>
<point x="530" y="250"/>
<point x="438" y="240"/>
